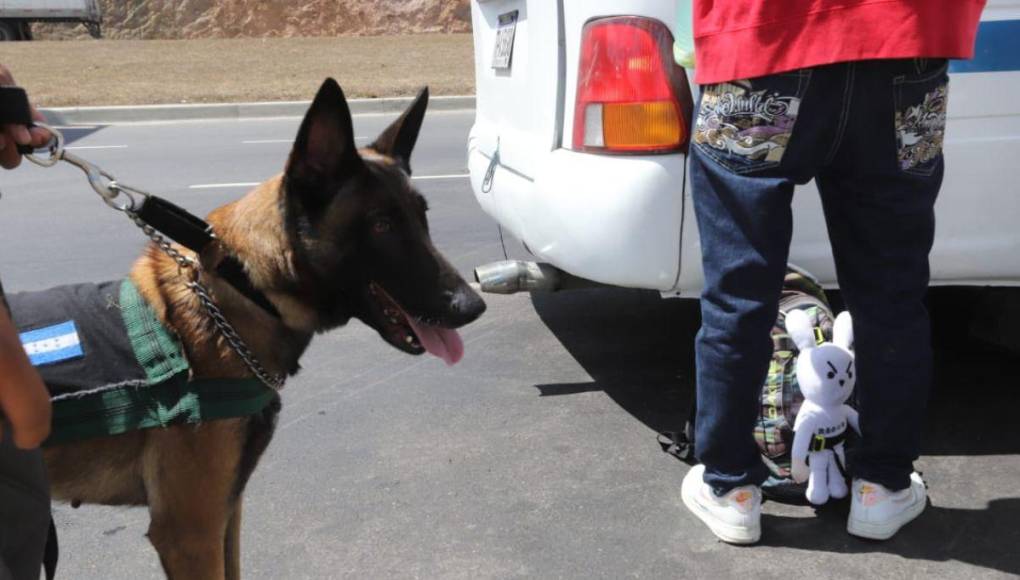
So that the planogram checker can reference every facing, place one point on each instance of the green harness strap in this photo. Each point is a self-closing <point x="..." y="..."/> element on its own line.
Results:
<point x="156" y="349"/>
<point x="173" y="402"/>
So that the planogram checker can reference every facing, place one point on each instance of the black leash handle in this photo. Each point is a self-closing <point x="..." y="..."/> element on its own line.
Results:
<point x="194" y="233"/>
<point x="179" y="224"/>
<point x="15" y="110"/>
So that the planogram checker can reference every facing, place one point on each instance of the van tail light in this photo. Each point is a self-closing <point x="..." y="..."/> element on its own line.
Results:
<point x="631" y="96"/>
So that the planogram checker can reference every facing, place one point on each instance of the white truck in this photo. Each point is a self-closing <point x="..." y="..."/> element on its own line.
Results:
<point x="579" y="151"/>
<point x="17" y="15"/>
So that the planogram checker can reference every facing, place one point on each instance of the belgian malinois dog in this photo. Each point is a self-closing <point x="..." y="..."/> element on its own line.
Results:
<point x="340" y="233"/>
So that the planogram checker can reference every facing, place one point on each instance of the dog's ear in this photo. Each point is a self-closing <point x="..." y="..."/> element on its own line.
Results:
<point x="398" y="140"/>
<point x="324" y="151"/>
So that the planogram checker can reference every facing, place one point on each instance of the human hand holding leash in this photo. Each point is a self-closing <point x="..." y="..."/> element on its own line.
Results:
<point x="15" y="122"/>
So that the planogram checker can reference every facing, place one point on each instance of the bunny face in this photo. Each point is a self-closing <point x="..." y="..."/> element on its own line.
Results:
<point x="826" y="374"/>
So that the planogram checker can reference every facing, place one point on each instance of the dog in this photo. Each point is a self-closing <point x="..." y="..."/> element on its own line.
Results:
<point x="341" y="233"/>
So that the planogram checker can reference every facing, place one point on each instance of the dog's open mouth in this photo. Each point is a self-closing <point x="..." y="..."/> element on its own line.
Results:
<point x="412" y="334"/>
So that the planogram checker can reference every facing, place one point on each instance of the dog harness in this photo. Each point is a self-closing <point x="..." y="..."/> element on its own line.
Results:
<point x="111" y="366"/>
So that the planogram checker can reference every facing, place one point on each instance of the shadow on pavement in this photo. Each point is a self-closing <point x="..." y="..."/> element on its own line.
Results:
<point x="974" y="406"/>
<point x="981" y="537"/>
<point x="637" y="347"/>
<point x="639" y="350"/>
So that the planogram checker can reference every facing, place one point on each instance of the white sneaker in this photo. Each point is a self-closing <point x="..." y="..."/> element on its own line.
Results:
<point x="877" y="513"/>
<point x="734" y="518"/>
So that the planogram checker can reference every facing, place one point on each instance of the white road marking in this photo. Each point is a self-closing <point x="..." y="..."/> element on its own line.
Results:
<point x="254" y="183"/>
<point x="223" y="185"/>
<point x="79" y="147"/>
<point x="279" y="119"/>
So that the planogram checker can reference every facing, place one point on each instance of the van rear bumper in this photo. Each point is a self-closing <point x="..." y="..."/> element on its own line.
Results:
<point x="611" y="219"/>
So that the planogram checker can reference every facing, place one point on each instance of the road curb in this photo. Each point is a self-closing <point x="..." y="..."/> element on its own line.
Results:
<point x="149" y="113"/>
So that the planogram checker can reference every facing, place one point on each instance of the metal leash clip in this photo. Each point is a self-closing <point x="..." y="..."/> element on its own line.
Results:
<point x="120" y="197"/>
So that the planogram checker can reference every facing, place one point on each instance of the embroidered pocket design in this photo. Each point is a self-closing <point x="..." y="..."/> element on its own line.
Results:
<point x="920" y="131"/>
<point x="745" y="127"/>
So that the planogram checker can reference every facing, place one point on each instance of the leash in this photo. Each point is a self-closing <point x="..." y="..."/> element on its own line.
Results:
<point x="162" y="221"/>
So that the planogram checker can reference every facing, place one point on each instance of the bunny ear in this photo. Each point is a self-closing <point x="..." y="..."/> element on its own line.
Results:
<point x="798" y="326"/>
<point x="843" y="331"/>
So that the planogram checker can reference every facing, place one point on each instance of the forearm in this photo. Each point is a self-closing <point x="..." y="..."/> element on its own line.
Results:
<point x="14" y="365"/>
<point x="24" y="400"/>
<point x="15" y="369"/>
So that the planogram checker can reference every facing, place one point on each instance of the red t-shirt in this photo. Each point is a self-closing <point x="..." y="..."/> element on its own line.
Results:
<point x="737" y="39"/>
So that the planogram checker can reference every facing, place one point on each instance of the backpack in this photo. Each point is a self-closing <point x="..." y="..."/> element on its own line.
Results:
<point x="780" y="394"/>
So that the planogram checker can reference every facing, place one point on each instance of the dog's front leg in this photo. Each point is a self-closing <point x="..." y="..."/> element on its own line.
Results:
<point x="232" y="543"/>
<point x="187" y="552"/>
<point x="190" y="475"/>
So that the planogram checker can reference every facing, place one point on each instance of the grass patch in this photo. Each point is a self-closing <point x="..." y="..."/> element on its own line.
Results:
<point x="136" y="72"/>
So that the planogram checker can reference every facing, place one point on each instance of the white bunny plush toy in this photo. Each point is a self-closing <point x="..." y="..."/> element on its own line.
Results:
<point x="826" y="376"/>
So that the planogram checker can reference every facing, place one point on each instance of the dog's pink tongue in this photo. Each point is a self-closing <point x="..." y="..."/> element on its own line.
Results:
<point x="441" y="342"/>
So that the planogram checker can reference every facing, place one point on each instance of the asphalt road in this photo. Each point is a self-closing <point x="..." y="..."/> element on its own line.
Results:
<point x="536" y="456"/>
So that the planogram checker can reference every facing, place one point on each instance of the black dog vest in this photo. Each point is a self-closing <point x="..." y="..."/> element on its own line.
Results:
<point x="111" y="366"/>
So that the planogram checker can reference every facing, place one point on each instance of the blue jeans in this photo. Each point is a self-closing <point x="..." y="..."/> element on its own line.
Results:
<point x="870" y="134"/>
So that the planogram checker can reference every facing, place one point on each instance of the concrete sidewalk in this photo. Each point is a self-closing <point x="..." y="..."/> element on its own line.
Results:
<point x="185" y="112"/>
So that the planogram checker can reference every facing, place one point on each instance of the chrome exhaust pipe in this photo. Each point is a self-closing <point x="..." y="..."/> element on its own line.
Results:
<point x="514" y="276"/>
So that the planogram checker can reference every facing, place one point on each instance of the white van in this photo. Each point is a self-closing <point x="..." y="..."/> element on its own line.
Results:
<point x="606" y="202"/>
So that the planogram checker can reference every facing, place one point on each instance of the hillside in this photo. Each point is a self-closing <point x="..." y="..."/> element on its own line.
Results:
<point x="168" y="19"/>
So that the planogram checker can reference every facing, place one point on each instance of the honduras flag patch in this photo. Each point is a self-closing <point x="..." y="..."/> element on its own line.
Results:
<point x="52" y="344"/>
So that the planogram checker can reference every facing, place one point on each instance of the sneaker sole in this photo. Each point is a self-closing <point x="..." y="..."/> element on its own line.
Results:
<point x="725" y="532"/>
<point x="870" y="531"/>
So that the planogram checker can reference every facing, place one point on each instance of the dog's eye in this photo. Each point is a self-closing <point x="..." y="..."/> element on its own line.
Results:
<point x="831" y="375"/>
<point x="382" y="226"/>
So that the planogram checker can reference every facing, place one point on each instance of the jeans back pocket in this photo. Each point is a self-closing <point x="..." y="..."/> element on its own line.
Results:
<point x="922" y="98"/>
<point x="746" y="125"/>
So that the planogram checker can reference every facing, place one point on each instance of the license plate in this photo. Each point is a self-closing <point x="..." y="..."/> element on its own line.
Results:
<point x="505" y="40"/>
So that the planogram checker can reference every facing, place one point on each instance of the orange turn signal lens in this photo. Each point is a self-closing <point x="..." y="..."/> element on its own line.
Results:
<point x="642" y="126"/>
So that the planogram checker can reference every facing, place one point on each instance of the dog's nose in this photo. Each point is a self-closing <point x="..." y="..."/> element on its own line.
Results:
<point x="465" y="305"/>
<point x="841" y="382"/>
